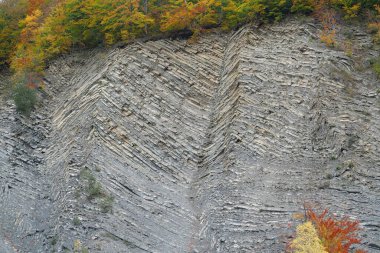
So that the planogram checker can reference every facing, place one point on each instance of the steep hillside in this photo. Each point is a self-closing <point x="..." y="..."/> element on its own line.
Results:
<point x="204" y="147"/>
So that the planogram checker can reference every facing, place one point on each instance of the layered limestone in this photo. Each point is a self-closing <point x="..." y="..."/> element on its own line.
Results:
<point x="210" y="146"/>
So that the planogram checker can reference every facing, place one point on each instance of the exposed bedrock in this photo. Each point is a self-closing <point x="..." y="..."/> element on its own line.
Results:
<point x="204" y="147"/>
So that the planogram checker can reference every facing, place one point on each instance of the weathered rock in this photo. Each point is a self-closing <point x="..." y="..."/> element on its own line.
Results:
<point x="205" y="147"/>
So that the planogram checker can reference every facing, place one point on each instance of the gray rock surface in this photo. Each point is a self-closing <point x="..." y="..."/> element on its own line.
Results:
<point x="205" y="147"/>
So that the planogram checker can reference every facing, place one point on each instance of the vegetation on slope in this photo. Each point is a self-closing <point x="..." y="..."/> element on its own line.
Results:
<point x="307" y="240"/>
<point x="322" y="233"/>
<point x="34" y="31"/>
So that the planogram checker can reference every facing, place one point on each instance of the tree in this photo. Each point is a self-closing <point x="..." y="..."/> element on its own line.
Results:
<point x="188" y="15"/>
<point x="28" y="58"/>
<point x="116" y="20"/>
<point x="11" y="12"/>
<point x="54" y="37"/>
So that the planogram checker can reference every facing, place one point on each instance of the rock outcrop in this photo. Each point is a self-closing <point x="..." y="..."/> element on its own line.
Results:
<point x="204" y="147"/>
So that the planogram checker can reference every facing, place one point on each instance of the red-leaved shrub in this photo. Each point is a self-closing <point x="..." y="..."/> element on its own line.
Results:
<point x="337" y="235"/>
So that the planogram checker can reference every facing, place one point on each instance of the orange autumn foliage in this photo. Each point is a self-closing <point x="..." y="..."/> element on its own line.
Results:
<point x="327" y="17"/>
<point x="337" y="235"/>
<point x="34" y="5"/>
<point x="188" y="15"/>
<point x="35" y="31"/>
<point x="375" y="25"/>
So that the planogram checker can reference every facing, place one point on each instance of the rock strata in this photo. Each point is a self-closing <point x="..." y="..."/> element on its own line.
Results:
<point x="204" y="147"/>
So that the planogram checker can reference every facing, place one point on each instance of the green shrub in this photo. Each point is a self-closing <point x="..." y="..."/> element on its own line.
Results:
<point x="24" y="98"/>
<point x="106" y="204"/>
<point x="85" y="173"/>
<point x="302" y="6"/>
<point x="76" y="221"/>
<point x="376" y="67"/>
<point x="375" y="63"/>
<point x="54" y="240"/>
<point x="94" y="189"/>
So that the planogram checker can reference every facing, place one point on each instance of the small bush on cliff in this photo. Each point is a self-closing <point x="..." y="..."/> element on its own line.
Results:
<point x="337" y="235"/>
<point x="25" y="98"/>
<point x="321" y="233"/>
<point x="76" y="221"/>
<point x="95" y="191"/>
<point x="106" y="204"/>
<point x="79" y="248"/>
<point x="94" y="188"/>
<point x="376" y="66"/>
<point x="307" y="240"/>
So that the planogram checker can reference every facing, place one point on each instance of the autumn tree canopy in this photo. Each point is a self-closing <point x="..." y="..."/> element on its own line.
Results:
<point x="33" y="31"/>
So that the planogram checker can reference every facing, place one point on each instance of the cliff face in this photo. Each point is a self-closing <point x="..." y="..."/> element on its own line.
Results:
<point x="205" y="147"/>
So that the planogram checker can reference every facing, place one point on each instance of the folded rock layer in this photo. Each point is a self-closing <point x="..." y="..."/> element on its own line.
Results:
<point x="204" y="147"/>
